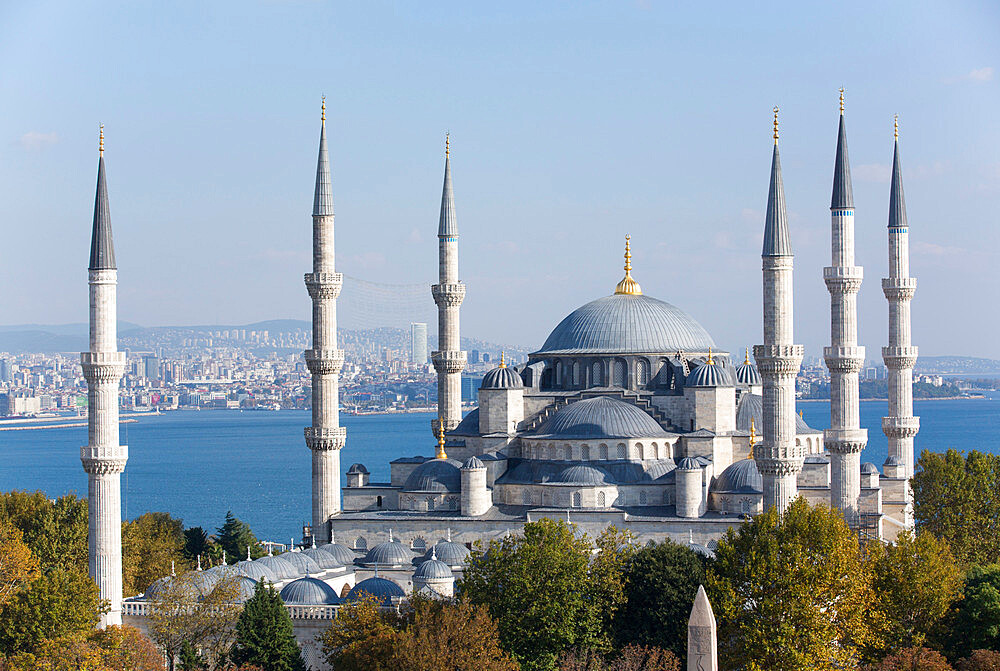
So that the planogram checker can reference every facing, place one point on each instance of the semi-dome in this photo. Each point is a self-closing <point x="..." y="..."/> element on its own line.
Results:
<point x="309" y="592"/>
<point x="709" y="374"/>
<point x="301" y="561"/>
<point x="282" y="570"/>
<point x="380" y="588"/>
<point x="341" y="553"/>
<point x="255" y="571"/>
<point x="627" y="323"/>
<point x="388" y="553"/>
<point x="502" y="377"/>
<point x="600" y="417"/>
<point x="435" y="475"/>
<point x="747" y="373"/>
<point x="741" y="477"/>
<point x="584" y="474"/>
<point x="323" y="559"/>
<point x="452" y="554"/>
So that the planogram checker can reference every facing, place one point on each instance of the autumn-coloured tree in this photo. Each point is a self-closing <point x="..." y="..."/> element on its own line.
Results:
<point x="980" y="660"/>
<point x="110" y="649"/>
<point x="792" y="592"/>
<point x="18" y="566"/>
<point x="56" y="531"/>
<point x="632" y="657"/>
<point x="152" y="545"/>
<point x="913" y="659"/>
<point x="362" y="637"/>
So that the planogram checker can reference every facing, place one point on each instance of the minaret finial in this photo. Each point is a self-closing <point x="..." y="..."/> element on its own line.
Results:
<point x="775" y="124"/>
<point x="753" y="436"/>
<point x="503" y="361"/>
<point x="628" y="285"/>
<point x="248" y="553"/>
<point x="323" y="113"/>
<point x="746" y="359"/>
<point x="440" y="447"/>
<point x="895" y="127"/>
<point x="100" y="146"/>
<point x="841" y="99"/>
<point x="711" y="361"/>
<point x="199" y="563"/>
<point x="447" y="145"/>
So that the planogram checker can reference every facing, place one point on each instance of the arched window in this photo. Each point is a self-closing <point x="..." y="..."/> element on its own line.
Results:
<point x="666" y="497"/>
<point x="378" y="501"/>
<point x="568" y="453"/>
<point x="577" y="500"/>
<point x="619" y="377"/>
<point x="360" y="543"/>
<point x="585" y="452"/>
<point x="596" y="379"/>
<point x="745" y="506"/>
<point x="640" y="451"/>
<point x="418" y="544"/>
<point x="642" y="498"/>
<point x="725" y="506"/>
<point x="656" y="451"/>
<point x="576" y="373"/>
<point x="526" y="497"/>
<point x="642" y="373"/>
<point x="430" y="503"/>
<point x="663" y="374"/>
<point x="604" y="451"/>
<point x="559" y="373"/>
<point x="602" y="500"/>
<point x="621" y="450"/>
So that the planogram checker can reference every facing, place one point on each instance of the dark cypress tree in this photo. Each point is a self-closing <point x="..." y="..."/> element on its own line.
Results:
<point x="235" y="536"/>
<point x="264" y="633"/>
<point x="189" y="658"/>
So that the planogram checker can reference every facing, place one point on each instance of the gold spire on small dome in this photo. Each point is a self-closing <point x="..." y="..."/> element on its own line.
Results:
<point x="323" y="113"/>
<point x="775" y="124"/>
<point x="100" y="146"/>
<point x="440" y="446"/>
<point x="628" y="285"/>
<point x="753" y="436"/>
<point x="746" y="359"/>
<point x="895" y="127"/>
<point x="503" y="361"/>
<point x="841" y="100"/>
<point x="711" y="361"/>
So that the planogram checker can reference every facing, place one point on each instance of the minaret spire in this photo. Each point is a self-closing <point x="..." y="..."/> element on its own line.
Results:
<point x="325" y="437"/>
<point x="778" y="360"/>
<point x="845" y="439"/>
<point x="103" y="457"/>
<point x="448" y="293"/>
<point x="900" y="356"/>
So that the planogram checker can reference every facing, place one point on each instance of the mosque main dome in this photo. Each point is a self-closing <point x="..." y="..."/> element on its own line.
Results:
<point x="627" y="324"/>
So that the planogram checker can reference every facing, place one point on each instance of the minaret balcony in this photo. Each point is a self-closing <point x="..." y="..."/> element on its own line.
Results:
<point x="102" y="367"/>
<point x="845" y="441"/>
<point x="104" y="459"/>
<point x="899" y="288"/>
<point x="898" y="358"/>
<point x="448" y="295"/>
<point x="325" y="438"/>
<point x="900" y="427"/>
<point x="843" y="279"/>
<point x="777" y="466"/>
<point x="449" y="361"/>
<point x="324" y="361"/>
<point x="844" y="359"/>
<point x="324" y="285"/>
<point x="779" y="360"/>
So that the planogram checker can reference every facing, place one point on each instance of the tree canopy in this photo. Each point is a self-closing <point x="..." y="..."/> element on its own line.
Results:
<point x="975" y="622"/>
<point x="235" y="536"/>
<point x="18" y="565"/>
<point x="153" y="547"/>
<point x="56" y="531"/>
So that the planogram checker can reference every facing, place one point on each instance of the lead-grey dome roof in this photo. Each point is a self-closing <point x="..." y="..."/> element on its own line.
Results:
<point x="256" y="571"/>
<point x="452" y="554"/>
<point x="502" y="377"/>
<point x="433" y="569"/>
<point x="323" y="558"/>
<point x="747" y="373"/>
<point x="357" y="468"/>
<point x="341" y="553"/>
<point x="742" y="477"/>
<point x="301" y="561"/>
<point x="380" y="588"/>
<point x="435" y="475"/>
<point x="709" y="375"/>
<point x="584" y="474"/>
<point x="868" y="468"/>
<point x="627" y="323"/>
<point x="600" y="417"/>
<point x="689" y="464"/>
<point x="473" y="462"/>
<point x="282" y="570"/>
<point x="388" y="553"/>
<point x="246" y="587"/>
<point x="310" y="592"/>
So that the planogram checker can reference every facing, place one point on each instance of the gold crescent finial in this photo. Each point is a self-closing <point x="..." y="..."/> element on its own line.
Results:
<point x="753" y="436"/>
<point x="841" y="99"/>
<point x="440" y="446"/>
<point x="447" y="144"/>
<point x="746" y="359"/>
<point x="100" y="146"/>
<point x="711" y="361"/>
<point x="895" y="127"/>
<point x="628" y="285"/>
<point x="775" y="124"/>
<point x="323" y="114"/>
<point x="503" y="361"/>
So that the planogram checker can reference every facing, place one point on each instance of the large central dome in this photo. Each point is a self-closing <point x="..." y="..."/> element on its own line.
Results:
<point x="627" y="324"/>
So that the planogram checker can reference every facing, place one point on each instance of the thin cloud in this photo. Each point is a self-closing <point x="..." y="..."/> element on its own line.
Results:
<point x="976" y="75"/>
<point x="36" y="141"/>
<point x="878" y="173"/>
<point x="931" y="249"/>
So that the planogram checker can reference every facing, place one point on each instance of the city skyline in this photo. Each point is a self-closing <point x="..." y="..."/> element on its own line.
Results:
<point x="197" y="208"/>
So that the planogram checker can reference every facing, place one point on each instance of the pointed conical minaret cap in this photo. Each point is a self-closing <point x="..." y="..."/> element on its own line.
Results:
<point x="843" y="192"/>
<point x="102" y="247"/>
<point x="897" y="201"/>
<point x="448" y="220"/>
<point x="628" y="286"/>
<point x="777" y="241"/>
<point x="323" y="194"/>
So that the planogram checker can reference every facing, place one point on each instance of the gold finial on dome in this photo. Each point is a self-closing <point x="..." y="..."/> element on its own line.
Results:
<point x="746" y="359"/>
<point x="753" y="436"/>
<point x="440" y="447"/>
<point x="775" y="124"/>
<point x="447" y="144"/>
<point x="628" y="285"/>
<point x="895" y="127"/>
<point x="841" y="100"/>
<point x="322" y="116"/>
<point x="100" y="146"/>
<point x="503" y="361"/>
<point x="711" y="361"/>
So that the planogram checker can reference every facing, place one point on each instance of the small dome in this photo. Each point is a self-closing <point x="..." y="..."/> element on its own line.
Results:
<point x="205" y="581"/>
<point x="452" y="554"/>
<point x="246" y="588"/>
<point x="689" y="464"/>
<point x="892" y="461"/>
<point x="341" y="553"/>
<point x="502" y="377"/>
<point x="600" y="417"/>
<point x="323" y="559"/>
<point x="868" y="468"/>
<point x="709" y="374"/>
<point x="156" y="588"/>
<point x="309" y="592"/>
<point x="357" y="469"/>
<point x="380" y="588"/>
<point x="281" y="568"/>
<point x="389" y="553"/>
<point x="746" y="373"/>
<point x="255" y="571"/>
<point x="301" y="561"/>
<point x="433" y="569"/>
<point x="743" y="476"/>
<point x="584" y="474"/>
<point x="472" y="463"/>
<point x="435" y="475"/>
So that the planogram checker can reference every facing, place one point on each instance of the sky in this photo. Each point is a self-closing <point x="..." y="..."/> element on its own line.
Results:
<point x="572" y="124"/>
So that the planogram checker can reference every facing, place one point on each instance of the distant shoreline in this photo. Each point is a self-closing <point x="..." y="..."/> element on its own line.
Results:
<point x="934" y="398"/>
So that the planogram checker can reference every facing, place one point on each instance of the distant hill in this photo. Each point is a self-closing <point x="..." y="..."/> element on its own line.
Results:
<point x="957" y="365"/>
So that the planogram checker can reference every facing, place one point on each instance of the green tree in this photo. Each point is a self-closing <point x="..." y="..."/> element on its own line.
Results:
<point x="189" y="659"/>
<point x="975" y="621"/>
<point x="362" y="637"/>
<point x="792" y="592"/>
<point x="235" y="536"/>
<point x="542" y="592"/>
<point x="916" y="580"/>
<point x="264" y="633"/>
<point x="956" y="497"/>
<point x="661" y="583"/>
<point x="153" y="546"/>
<point x="56" y="531"/>
<point x="196" y="543"/>
<point x="59" y="603"/>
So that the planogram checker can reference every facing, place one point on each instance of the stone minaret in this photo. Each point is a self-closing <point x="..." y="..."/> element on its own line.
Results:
<point x="325" y="437"/>
<point x="778" y="360"/>
<point x="845" y="439"/>
<point x="449" y="360"/>
<point x="900" y="356"/>
<point x="104" y="458"/>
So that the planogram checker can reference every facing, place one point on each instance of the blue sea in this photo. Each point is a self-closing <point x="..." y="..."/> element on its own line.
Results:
<point x="198" y="465"/>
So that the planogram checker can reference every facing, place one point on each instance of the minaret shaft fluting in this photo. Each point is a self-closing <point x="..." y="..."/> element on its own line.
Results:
<point x="845" y="439"/>
<point x="449" y="292"/>
<point x="778" y="359"/>
<point x="103" y="366"/>
<point x="900" y="356"/>
<point x="325" y="438"/>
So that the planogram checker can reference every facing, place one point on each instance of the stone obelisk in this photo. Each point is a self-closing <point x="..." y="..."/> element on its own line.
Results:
<point x="703" y="652"/>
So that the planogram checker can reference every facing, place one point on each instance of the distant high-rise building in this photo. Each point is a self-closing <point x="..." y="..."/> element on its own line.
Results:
<point x="151" y="367"/>
<point x="474" y="356"/>
<point x="6" y="374"/>
<point x="418" y="343"/>
<point x="486" y="357"/>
